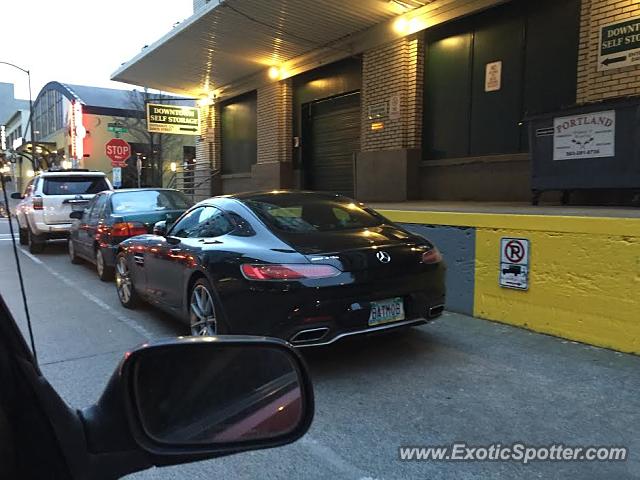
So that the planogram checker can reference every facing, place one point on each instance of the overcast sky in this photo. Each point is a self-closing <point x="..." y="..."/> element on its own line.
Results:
<point x="79" y="41"/>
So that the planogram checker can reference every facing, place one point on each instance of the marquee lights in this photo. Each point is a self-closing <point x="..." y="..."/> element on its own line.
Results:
<point x="78" y="131"/>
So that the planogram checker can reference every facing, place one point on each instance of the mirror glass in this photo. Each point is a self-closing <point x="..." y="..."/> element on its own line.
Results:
<point x="160" y="228"/>
<point x="217" y="393"/>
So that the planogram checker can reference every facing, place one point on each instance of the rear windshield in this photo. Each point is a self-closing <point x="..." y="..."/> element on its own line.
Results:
<point x="148" y="201"/>
<point x="74" y="185"/>
<point x="307" y="213"/>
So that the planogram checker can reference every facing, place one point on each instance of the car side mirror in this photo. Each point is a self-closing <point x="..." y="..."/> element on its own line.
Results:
<point x="194" y="398"/>
<point x="77" y="214"/>
<point x="17" y="196"/>
<point x="160" y="228"/>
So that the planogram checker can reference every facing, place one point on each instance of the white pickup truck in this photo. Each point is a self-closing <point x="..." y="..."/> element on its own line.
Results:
<point x="49" y="198"/>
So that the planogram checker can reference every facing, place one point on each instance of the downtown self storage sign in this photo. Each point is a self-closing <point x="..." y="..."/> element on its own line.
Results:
<point x="173" y="119"/>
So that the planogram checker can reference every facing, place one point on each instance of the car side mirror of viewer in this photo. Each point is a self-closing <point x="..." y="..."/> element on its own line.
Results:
<point x="202" y="397"/>
<point x="17" y="196"/>
<point x="77" y="214"/>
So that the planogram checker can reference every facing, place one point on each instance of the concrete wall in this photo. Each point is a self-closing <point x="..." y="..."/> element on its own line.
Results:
<point x="584" y="272"/>
<point x="457" y="245"/>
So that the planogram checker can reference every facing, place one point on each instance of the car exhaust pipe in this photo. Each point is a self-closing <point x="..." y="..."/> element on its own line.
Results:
<point x="436" y="311"/>
<point x="309" y="335"/>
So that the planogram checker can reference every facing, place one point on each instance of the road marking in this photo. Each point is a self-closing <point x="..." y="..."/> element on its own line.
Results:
<point x="128" y="321"/>
<point x="327" y="454"/>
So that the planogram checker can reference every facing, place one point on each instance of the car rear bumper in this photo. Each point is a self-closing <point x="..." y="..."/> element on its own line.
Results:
<point x="311" y="316"/>
<point x="59" y="230"/>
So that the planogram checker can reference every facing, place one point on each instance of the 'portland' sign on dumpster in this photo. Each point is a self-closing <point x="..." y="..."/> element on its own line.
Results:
<point x="589" y="135"/>
<point x="173" y="119"/>
<point x="619" y="44"/>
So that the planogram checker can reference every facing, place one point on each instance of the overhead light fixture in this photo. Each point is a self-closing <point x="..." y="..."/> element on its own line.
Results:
<point x="274" y="73"/>
<point x="205" y="100"/>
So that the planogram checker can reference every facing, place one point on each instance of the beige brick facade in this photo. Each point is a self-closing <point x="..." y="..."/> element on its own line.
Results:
<point x="208" y="143"/>
<point x="275" y="115"/>
<point x="394" y="69"/>
<point x="594" y="85"/>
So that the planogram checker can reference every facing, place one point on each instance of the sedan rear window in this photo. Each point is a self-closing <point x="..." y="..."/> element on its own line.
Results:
<point x="74" y="185"/>
<point x="148" y="201"/>
<point x="306" y="213"/>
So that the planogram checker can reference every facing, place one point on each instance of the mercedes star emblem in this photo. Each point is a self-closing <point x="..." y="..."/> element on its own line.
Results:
<point x="383" y="257"/>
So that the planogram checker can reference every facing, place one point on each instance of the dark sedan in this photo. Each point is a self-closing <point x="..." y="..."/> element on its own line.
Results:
<point x="113" y="216"/>
<point x="307" y="267"/>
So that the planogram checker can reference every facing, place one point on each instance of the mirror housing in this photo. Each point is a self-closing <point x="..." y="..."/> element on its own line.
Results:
<point x="17" y="196"/>
<point x="160" y="228"/>
<point x="250" y="393"/>
<point x="77" y="214"/>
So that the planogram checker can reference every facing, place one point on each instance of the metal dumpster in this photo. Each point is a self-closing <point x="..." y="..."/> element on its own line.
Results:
<point x="594" y="146"/>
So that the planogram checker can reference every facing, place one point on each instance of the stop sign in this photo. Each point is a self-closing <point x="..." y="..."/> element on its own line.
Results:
<point x="118" y="151"/>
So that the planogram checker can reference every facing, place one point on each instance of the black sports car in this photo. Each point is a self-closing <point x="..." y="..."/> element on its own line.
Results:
<point x="307" y="267"/>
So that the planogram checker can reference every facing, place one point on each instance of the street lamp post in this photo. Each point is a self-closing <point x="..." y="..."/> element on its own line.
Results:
<point x="33" y="133"/>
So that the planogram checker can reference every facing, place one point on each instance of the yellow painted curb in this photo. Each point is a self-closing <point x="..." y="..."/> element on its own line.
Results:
<point x="542" y="223"/>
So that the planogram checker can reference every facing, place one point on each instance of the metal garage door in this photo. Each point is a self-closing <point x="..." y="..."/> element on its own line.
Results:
<point x="331" y="138"/>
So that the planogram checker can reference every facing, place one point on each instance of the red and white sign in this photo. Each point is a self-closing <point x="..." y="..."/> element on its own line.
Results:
<point x="514" y="263"/>
<point x="118" y="151"/>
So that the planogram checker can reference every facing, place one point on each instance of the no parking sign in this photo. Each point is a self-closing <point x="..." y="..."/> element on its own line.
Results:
<point x="514" y="263"/>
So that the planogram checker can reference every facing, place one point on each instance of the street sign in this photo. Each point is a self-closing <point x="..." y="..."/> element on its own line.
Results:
<point x="619" y="44"/>
<point x="514" y="263"/>
<point x="173" y="119"/>
<point x="118" y="151"/>
<point x="493" y="76"/>
<point x="117" y="127"/>
<point x="117" y="177"/>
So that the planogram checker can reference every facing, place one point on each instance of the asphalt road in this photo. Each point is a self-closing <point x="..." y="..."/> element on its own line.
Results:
<point x="458" y="379"/>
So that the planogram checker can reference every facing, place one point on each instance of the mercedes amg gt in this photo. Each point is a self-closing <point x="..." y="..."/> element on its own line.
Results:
<point x="307" y="267"/>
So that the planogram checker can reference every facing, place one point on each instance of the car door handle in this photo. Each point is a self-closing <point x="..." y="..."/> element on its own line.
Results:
<point x="175" y="250"/>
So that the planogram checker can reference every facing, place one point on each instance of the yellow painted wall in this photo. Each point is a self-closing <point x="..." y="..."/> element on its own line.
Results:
<point x="584" y="281"/>
<point x="582" y="286"/>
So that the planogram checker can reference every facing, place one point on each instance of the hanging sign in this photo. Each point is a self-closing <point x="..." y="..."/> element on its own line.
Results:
<point x="173" y="119"/>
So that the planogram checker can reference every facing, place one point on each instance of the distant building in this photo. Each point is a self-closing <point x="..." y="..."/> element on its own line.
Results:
<point x="73" y="123"/>
<point x="8" y="103"/>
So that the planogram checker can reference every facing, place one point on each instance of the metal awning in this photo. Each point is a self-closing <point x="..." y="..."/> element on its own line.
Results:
<point x="235" y="40"/>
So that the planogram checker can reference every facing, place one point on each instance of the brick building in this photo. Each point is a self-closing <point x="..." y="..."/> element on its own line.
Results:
<point x="390" y="99"/>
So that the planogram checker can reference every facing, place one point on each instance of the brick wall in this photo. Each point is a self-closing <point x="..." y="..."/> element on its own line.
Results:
<point x="275" y="114"/>
<point x="396" y="68"/>
<point x="208" y="143"/>
<point x="592" y="84"/>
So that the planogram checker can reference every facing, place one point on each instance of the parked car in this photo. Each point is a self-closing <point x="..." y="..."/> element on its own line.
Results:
<point x="48" y="199"/>
<point x="114" y="216"/>
<point x="318" y="267"/>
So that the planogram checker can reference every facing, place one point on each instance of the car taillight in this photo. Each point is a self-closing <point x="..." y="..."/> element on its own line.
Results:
<point x="432" y="256"/>
<point x="38" y="203"/>
<point x="128" y="229"/>
<point x="290" y="271"/>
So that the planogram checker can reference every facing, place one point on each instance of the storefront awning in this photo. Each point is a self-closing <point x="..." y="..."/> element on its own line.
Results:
<point x="236" y="39"/>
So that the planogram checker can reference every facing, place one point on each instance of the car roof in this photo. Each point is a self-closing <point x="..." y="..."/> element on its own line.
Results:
<point x="146" y="189"/>
<point x="274" y="193"/>
<point x="66" y="173"/>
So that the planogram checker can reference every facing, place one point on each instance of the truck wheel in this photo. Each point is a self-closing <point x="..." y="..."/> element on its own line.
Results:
<point x="35" y="242"/>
